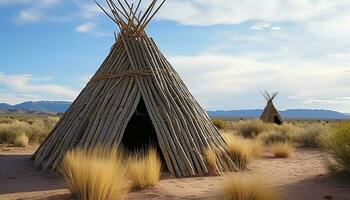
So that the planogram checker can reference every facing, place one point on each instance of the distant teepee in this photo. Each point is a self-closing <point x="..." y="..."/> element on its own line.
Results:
<point x="270" y="113"/>
<point x="136" y="98"/>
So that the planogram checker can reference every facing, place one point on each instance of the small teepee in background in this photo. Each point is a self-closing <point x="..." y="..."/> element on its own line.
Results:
<point x="270" y="113"/>
<point x="136" y="98"/>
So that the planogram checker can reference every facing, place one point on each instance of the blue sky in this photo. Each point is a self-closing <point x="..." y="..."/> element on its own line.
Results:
<point x="225" y="50"/>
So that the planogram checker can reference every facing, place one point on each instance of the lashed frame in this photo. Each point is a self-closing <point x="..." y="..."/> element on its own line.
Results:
<point x="100" y="114"/>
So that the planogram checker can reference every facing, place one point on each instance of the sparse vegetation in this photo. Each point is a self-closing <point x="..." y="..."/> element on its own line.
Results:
<point x="210" y="159"/>
<point x="337" y="143"/>
<point x="282" y="149"/>
<point x="144" y="169"/>
<point x="21" y="140"/>
<point x="95" y="175"/>
<point x="240" y="187"/>
<point x="310" y="135"/>
<point x="250" y="128"/>
<point x="36" y="129"/>
<point x="242" y="150"/>
<point x="220" y="124"/>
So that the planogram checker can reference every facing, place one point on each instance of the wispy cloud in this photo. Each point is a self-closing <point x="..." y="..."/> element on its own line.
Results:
<point x="86" y="27"/>
<point x="29" y="15"/>
<point x="260" y="26"/>
<point x="240" y="78"/>
<point x="28" y="85"/>
<point x="35" y="10"/>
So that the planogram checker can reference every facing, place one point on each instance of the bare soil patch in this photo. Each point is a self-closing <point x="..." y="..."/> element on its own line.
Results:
<point x="302" y="176"/>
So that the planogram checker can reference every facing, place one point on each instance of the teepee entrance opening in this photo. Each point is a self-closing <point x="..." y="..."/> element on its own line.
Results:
<point x="140" y="134"/>
<point x="277" y="120"/>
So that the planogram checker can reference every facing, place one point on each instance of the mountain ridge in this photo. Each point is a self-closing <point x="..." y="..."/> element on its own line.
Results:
<point x="62" y="106"/>
<point x="288" y="114"/>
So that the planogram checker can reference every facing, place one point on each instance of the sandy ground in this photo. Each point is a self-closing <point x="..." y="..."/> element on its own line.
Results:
<point x="301" y="177"/>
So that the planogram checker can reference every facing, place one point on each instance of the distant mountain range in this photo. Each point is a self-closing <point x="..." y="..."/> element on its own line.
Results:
<point x="39" y="106"/>
<point x="62" y="106"/>
<point x="289" y="114"/>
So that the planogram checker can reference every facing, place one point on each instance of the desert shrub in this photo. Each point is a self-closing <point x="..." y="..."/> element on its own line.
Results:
<point x="210" y="159"/>
<point x="21" y="140"/>
<point x="144" y="169"/>
<point x="242" y="150"/>
<point x="35" y="129"/>
<point x="275" y="134"/>
<point x="7" y="120"/>
<point x="257" y="147"/>
<point x="250" y="128"/>
<point x="242" y="187"/>
<point x="337" y="143"/>
<point x="8" y="134"/>
<point x="310" y="135"/>
<point x="95" y="175"/>
<point x="282" y="149"/>
<point x="220" y="124"/>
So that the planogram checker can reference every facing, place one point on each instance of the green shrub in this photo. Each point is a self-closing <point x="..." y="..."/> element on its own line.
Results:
<point x="220" y="124"/>
<point x="250" y="128"/>
<point x="311" y="134"/>
<point x="337" y="143"/>
<point x="35" y="129"/>
<point x="273" y="136"/>
<point x="277" y="134"/>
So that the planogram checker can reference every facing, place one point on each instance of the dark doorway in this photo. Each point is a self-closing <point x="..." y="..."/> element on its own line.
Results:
<point x="277" y="120"/>
<point x="140" y="134"/>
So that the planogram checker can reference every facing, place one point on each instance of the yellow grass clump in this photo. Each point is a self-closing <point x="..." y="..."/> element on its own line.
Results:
<point x="95" y="175"/>
<point x="210" y="159"/>
<point x="36" y="129"/>
<point x="242" y="150"/>
<point x="220" y="124"/>
<point x="282" y="149"/>
<point x="144" y="169"/>
<point x="21" y="140"/>
<point x="337" y="143"/>
<point x="250" y="128"/>
<point x="241" y="187"/>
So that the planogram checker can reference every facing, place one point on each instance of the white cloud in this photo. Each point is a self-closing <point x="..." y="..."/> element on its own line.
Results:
<point x="29" y="15"/>
<point x="260" y="26"/>
<point x="90" y="10"/>
<point x="276" y="28"/>
<point x="232" y="81"/>
<point x="209" y="12"/>
<point x="35" y="10"/>
<point x="24" y="86"/>
<point x="86" y="27"/>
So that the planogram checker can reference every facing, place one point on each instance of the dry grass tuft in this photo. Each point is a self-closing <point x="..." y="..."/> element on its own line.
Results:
<point x="36" y="129"/>
<point x="337" y="144"/>
<point x="310" y="135"/>
<point x="250" y="128"/>
<point x="220" y="124"/>
<point x="242" y="150"/>
<point x="144" y="169"/>
<point x="210" y="159"/>
<point x="21" y="140"/>
<point x="282" y="149"/>
<point x="240" y="187"/>
<point x="95" y="175"/>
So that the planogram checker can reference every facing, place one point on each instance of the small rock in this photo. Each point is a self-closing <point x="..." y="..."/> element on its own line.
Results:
<point x="328" y="196"/>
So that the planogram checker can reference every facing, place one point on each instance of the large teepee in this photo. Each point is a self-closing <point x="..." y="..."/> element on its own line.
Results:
<point x="270" y="113"/>
<point x="136" y="98"/>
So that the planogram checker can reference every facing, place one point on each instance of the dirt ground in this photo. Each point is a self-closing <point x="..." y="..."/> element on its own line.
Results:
<point x="301" y="177"/>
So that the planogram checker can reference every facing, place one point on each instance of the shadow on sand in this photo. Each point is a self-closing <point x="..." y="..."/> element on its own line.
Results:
<point x="18" y="175"/>
<point x="318" y="187"/>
